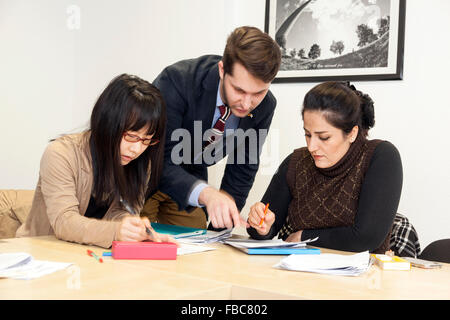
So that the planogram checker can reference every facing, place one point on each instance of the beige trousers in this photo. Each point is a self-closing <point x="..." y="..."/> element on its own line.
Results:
<point x="162" y="209"/>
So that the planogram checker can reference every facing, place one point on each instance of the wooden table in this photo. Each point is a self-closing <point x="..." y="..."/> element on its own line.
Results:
<point x="221" y="274"/>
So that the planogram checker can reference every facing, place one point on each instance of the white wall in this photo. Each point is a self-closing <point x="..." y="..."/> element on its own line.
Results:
<point x="51" y="73"/>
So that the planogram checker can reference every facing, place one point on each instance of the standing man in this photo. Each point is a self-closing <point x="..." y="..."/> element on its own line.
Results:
<point x="211" y="101"/>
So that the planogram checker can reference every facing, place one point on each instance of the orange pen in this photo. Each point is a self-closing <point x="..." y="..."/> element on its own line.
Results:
<point x="265" y="212"/>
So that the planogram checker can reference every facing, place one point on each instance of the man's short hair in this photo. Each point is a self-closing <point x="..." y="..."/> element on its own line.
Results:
<point x="255" y="50"/>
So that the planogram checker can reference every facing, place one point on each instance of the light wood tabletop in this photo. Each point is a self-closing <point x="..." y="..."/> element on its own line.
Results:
<point x="222" y="274"/>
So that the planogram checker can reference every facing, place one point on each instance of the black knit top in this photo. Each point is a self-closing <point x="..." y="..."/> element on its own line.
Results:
<point x="377" y="204"/>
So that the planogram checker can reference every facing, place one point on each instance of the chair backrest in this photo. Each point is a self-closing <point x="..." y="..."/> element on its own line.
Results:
<point x="438" y="250"/>
<point x="404" y="238"/>
<point x="14" y="208"/>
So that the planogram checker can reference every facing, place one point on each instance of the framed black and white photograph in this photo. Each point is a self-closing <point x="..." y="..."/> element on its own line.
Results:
<point x="325" y="40"/>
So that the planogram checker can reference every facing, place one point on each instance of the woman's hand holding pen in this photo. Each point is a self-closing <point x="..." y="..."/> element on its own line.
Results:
<point x="154" y="236"/>
<point x="133" y="228"/>
<point x="261" y="218"/>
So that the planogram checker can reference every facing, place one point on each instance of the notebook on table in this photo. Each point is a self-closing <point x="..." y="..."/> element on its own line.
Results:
<point x="177" y="231"/>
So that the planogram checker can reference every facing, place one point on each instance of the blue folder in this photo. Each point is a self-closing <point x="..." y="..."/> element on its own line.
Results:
<point x="281" y="251"/>
<point x="177" y="231"/>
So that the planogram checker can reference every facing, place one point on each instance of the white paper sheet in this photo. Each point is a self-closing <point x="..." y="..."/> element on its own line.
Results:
<point x="8" y="260"/>
<point x="328" y="263"/>
<point x="22" y="266"/>
<point x="188" y="248"/>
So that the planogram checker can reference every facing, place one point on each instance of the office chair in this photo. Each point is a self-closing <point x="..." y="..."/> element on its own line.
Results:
<point x="438" y="250"/>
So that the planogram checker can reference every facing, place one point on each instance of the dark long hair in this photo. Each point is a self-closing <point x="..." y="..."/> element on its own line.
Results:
<point x="127" y="103"/>
<point x="344" y="107"/>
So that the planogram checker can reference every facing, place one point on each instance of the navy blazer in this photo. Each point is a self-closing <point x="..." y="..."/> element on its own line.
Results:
<point x="189" y="88"/>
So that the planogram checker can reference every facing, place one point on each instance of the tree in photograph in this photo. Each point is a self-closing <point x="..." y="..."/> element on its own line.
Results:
<point x="301" y="53"/>
<point x="337" y="47"/>
<point x="293" y="53"/>
<point x="314" y="52"/>
<point x="365" y="35"/>
<point x="383" y="24"/>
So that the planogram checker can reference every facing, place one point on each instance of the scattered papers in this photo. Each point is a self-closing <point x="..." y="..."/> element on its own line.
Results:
<point x="187" y="248"/>
<point x="328" y="263"/>
<point x="209" y="237"/>
<point x="22" y="266"/>
<point x="188" y="234"/>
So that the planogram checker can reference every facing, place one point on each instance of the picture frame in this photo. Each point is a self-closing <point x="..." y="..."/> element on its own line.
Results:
<point x="339" y="40"/>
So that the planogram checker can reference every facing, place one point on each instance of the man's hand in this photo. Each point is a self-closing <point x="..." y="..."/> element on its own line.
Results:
<point x="221" y="207"/>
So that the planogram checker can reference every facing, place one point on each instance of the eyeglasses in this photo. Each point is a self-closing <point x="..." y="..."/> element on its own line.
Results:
<point x="132" y="138"/>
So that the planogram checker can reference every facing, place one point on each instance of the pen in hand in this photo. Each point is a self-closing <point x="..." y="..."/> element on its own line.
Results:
<point x="148" y="230"/>
<point x="151" y="232"/>
<point x="265" y="212"/>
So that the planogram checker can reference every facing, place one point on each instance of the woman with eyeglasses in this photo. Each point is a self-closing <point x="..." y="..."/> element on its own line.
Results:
<point x="92" y="185"/>
<point x="342" y="187"/>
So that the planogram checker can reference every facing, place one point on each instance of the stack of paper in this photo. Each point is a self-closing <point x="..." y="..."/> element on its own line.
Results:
<point x="209" y="237"/>
<point x="277" y="247"/>
<point x="22" y="266"/>
<point x="328" y="263"/>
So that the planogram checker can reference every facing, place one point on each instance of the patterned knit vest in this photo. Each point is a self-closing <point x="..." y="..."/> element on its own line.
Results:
<point x="327" y="198"/>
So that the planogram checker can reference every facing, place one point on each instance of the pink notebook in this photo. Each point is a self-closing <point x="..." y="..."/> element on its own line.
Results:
<point x="144" y="250"/>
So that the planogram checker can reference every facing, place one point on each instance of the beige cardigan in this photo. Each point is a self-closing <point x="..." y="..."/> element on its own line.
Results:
<point x="62" y="196"/>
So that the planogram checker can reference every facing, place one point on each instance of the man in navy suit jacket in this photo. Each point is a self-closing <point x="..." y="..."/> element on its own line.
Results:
<point x="193" y="90"/>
